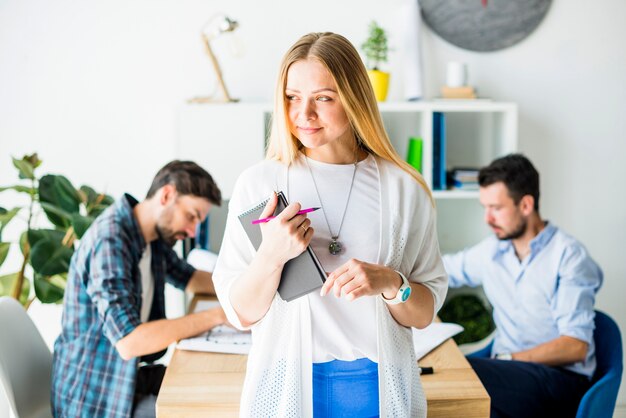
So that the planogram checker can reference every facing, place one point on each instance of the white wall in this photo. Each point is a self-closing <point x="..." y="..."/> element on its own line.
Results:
<point x="94" y="87"/>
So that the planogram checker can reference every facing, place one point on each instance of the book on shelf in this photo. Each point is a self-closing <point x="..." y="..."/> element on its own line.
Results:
<point x="463" y="178"/>
<point x="458" y="185"/>
<point x="464" y="92"/>
<point x="202" y="234"/>
<point x="201" y="239"/>
<point x="439" y="151"/>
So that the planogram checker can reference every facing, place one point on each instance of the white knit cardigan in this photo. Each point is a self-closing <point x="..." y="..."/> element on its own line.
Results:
<point x="279" y="372"/>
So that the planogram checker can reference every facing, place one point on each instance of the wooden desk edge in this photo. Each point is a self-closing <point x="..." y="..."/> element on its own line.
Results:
<point x="447" y="353"/>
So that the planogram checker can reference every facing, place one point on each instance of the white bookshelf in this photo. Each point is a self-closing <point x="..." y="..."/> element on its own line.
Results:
<point x="455" y="194"/>
<point x="477" y="131"/>
<point x="227" y="138"/>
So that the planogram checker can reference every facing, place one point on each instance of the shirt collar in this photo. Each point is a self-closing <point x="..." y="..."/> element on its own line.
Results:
<point x="129" y="222"/>
<point x="536" y="244"/>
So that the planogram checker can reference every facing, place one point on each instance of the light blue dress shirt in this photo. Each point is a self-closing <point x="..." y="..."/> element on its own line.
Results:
<point x="549" y="294"/>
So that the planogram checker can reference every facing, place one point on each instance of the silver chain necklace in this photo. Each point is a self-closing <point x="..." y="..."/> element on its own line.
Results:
<point x="335" y="246"/>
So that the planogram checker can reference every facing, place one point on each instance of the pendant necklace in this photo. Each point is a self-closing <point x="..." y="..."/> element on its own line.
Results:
<point x="335" y="246"/>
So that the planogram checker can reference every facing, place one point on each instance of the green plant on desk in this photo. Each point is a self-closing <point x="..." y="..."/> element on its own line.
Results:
<point x="47" y="251"/>
<point x="471" y="313"/>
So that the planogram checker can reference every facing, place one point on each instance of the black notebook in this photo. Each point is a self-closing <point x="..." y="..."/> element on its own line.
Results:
<point x="301" y="275"/>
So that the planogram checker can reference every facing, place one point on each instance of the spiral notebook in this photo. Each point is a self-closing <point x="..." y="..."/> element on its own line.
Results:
<point x="301" y="275"/>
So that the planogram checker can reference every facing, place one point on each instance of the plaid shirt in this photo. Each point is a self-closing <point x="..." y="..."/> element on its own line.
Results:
<point x="102" y="305"/>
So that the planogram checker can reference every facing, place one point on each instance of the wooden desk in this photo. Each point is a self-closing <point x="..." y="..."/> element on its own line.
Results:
<point x="209" y="384"/>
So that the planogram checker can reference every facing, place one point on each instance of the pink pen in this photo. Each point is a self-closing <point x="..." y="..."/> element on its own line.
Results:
<point x="300" y="212"/>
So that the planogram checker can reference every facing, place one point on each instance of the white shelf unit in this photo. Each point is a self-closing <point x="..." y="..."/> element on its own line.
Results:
<point x="227" y="138"/>
<point x="476" y="132"/>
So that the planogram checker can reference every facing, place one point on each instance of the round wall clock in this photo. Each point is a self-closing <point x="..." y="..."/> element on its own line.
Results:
<point x="483" y="25"/>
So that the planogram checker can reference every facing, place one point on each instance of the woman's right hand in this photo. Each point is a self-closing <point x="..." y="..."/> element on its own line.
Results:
<point x="286" y="236"/>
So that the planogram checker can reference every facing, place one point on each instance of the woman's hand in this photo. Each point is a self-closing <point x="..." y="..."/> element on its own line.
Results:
<point x="357" y="278"/>
<point x="286" y="236"/>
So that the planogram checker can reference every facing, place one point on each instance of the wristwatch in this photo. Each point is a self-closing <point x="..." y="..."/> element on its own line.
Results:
<point x="504" y="356"/>
<point x="403" y="293"/>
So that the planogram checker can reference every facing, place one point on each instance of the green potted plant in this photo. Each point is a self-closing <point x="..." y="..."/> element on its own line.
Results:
<point x="468" y="311"/>
<point x="376" y="50"/>
<point x="45" y="251"/>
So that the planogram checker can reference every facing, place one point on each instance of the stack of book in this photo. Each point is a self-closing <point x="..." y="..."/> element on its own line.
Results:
<point x="463" y="178"/>
<point x="464" y="92"/>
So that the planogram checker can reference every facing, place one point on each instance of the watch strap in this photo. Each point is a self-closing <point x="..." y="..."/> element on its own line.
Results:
<point x="504" y="356"/>
<point x="403" y="293"/>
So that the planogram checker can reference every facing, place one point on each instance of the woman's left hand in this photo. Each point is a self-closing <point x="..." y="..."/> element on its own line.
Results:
<point x="357" y="278"/>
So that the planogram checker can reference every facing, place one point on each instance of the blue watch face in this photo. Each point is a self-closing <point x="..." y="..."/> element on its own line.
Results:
<point x="406" y="294"/>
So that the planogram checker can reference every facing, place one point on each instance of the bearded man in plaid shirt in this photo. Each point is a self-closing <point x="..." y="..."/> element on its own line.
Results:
<point x="114" y="322"/>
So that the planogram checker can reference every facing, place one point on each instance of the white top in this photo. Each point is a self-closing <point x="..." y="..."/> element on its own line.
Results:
<point x="279" y="372"/>
<point x="354" y="336"/>
<point x="147" y="283"/>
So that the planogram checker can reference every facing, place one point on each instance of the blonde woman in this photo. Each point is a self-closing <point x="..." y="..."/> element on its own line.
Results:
<point x="347" y="350"/>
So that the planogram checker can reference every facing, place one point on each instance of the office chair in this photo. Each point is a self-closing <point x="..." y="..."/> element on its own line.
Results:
<point x="599" y="400"/>
<point x="484" y="352"/>
<point x="25" y="362"/>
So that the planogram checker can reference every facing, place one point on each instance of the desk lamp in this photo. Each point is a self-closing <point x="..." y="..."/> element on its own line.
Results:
<point x="216" y="26"/>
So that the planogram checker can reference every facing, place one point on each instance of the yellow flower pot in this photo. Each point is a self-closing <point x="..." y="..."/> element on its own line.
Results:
<point x="380" y="83"/>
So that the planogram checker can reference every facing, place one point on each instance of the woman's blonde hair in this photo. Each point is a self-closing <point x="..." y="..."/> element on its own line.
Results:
<point x="342" y="60"/>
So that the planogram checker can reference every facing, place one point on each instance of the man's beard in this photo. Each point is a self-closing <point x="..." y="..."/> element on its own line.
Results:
<point x="169" y="236"/>
<point x="516" y="233"/>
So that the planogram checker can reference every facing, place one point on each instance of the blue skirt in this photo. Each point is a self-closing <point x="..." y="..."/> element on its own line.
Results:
<point x="345" y="389"/>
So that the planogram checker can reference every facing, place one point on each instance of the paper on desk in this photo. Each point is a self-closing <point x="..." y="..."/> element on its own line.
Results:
<point x="221" y="339"/>
<point x="202" y="259"/>
<point x="427" y="339"/>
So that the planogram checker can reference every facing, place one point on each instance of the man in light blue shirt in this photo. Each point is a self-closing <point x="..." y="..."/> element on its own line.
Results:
<point x="542" y="284"/>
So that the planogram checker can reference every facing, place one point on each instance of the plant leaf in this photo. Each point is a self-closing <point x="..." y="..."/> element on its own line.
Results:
<point x="57" y="191"/>
<point x="20" y="189"/>
<point x="4" y="251"/>
<point x="33" y="159"/>
<point x="95" y="211"/>
<point x="90" y="195"/>
<point x="96" y="202"/>
<point x="48" y="289"/>
<point x="468" y="311"/>
<point x="26" y="169"/>
<point x="36" y="235"/>
<point x="56" y="215"/>
<point x="24" y="242"/>
<point x="49" y="258"/>
<point x="59" y="280"/>
<point x="6" y="217"/>
<point x="81" y="224"/>
<point x="6" y="287"/>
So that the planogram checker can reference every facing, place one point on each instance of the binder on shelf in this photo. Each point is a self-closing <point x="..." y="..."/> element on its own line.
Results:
<point x="302" y="274"/>
<point x="201" y="240"/>
<point x="203" y="234"/>
<point x="439" y="151"/>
